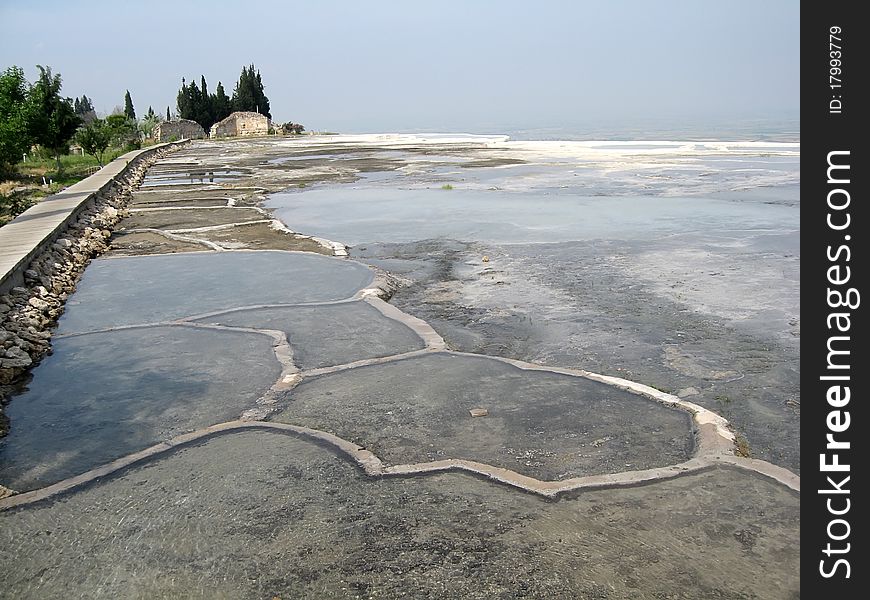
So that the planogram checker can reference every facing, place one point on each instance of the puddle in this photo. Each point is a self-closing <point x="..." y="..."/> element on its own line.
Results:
<point x="323" y="336"/>
<point x="148" y="289"/>
<point x="363" y="215"/>
<point x="101" y="396"/>
<point x="544" y="425"/>
<point x="265" y="515"/>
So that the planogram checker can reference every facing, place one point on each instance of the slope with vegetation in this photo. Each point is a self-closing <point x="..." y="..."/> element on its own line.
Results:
<point x="38" y="126"/>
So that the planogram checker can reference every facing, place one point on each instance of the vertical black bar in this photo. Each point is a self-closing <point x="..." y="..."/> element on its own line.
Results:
<point x="834" y="170"/>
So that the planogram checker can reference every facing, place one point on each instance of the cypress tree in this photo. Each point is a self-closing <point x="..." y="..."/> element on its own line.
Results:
<point x="205" y="114"/>
<point x="220" y="104"/>
<point x="248" y="94"/>
<point x="129" y="112"/>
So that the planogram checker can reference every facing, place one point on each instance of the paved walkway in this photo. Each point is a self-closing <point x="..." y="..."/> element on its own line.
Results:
<point x="23" y="237"/>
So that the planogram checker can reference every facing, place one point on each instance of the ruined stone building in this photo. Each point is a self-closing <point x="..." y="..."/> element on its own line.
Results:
<point x="179" y="129"/>
<point x="241" y="123"/>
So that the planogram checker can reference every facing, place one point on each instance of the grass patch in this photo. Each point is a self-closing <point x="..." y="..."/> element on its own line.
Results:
<point x="446" y="186"/>
<point x="74" y="167"/>
<point x="742" y="446"/>
<point x="24" y="186"/>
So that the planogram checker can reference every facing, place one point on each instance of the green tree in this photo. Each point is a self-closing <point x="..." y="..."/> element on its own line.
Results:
<point x="189" y="102"/>
<point x="195" y="103"/>
<point x="248" y="94"/>
<point x="94" y="138"/>
<point x="123" y="132"/>
<point x="128" y="106"/>
<point x="292" y="128"/>
<point x="148" y="123"/>
<point x="83" y="105"/>
<point x="221" y="105"/>
<point x="52" y="121"/>
<point x="204" y="114"/>
<point x="168" y="116"/>
<point x="15" y="138"/>
<point x="84" y="108"/>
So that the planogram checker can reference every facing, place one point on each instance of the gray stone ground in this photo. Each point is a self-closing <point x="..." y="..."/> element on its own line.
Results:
<point x="262" y="515"/>
<point x="265" y="514"/>
<point x="147" y="289"/>
<point x="544" y="425"/>
<point x="328" y="335"/>
<point x="574" y="305"/>
<point x="102" y="396"/>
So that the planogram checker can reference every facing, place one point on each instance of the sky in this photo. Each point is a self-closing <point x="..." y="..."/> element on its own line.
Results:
<point x="443" y="65"/>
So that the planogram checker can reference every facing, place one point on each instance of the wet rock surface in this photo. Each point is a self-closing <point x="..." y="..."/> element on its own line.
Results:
<point x="148" y="289"/>
<point x="279" y="517"/>
<point x="328" y="335"/>
<point x="577" y="304"/>
<point x="544" y="425"/>
<point x="29" y="312"/>
<point x="101" y="396"/>
<point x="265" y="514"/>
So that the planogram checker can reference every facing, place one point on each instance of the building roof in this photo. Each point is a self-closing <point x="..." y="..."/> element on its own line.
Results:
<point x="241" y="113"/>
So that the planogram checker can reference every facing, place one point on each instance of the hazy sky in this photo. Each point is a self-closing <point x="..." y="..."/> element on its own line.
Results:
<point x="440" y="65"/>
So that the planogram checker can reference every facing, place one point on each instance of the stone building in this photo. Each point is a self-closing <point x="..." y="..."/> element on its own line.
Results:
<point x="241" y="123"/>
<point x="179" y="129"/>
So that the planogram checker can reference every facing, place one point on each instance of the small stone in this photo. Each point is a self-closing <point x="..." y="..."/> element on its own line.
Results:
<point x="39" y="304"/>
<point x="17" y="355"/>
<point x="478" y="412"/>
<point x="7" y="374"/>
<point x="485" y="259"/>
<point x="31" y="275"/>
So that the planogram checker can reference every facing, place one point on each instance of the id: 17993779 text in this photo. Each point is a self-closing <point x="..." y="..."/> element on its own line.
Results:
<point x="835" y="73"/>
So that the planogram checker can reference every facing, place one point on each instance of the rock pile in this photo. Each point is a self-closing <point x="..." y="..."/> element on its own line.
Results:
<point x="28" y="313"/>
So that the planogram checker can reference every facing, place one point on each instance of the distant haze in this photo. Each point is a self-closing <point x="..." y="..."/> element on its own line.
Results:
<point x="446" y="65"/>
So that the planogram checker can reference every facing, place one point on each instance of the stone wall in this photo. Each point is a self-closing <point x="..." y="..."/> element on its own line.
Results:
<point x="241" y="123"/>
<point x="180" y="129"/>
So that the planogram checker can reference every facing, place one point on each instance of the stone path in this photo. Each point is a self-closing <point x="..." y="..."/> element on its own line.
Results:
<point x="249" y="422"/>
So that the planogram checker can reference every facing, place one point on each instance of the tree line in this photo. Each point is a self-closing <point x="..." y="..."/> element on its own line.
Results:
<point x="197" y="104"/>
<point x="37" y="115"/>
<point x="34" y="114"/>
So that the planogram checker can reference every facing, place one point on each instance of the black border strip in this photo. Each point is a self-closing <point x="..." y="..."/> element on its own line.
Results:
<point x="832" y="281"/>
